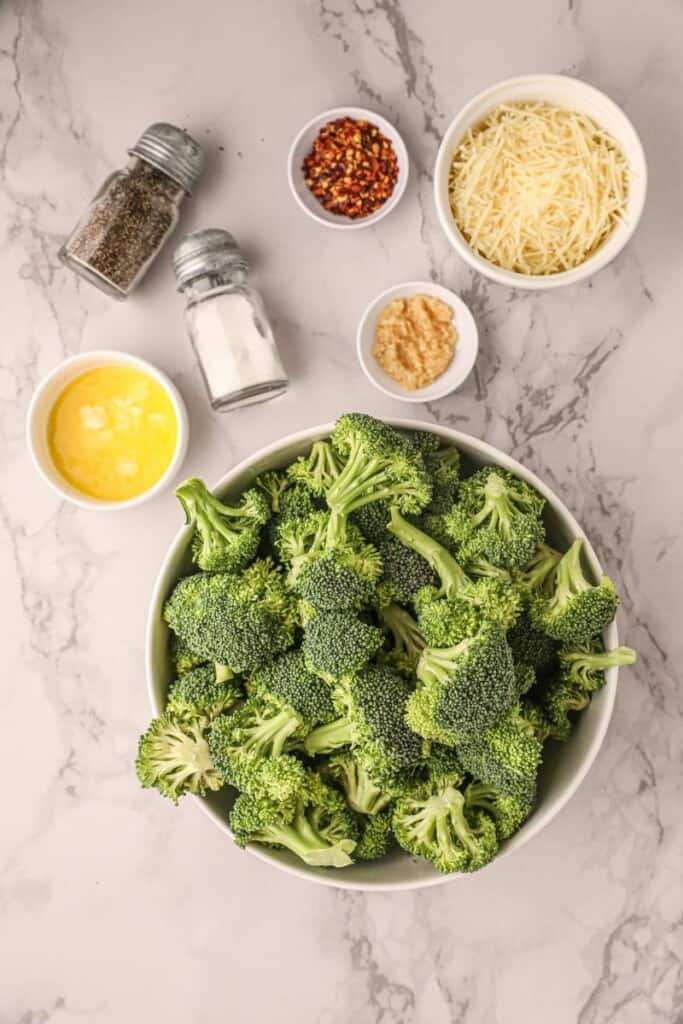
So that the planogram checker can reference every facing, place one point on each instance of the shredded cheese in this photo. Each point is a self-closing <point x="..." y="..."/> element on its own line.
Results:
<point x="537" y="189"/>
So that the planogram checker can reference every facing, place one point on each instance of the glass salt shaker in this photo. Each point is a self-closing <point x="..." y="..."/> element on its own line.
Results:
<point x="135" y="211"/>
<point x="227" y="322"/>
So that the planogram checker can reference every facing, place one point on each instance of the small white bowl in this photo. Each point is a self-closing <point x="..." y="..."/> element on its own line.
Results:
<point x="560" y="91"/>
<point x="301" y="147"/>
<point x="466" y="346"/>
<point x="46" y="395"/>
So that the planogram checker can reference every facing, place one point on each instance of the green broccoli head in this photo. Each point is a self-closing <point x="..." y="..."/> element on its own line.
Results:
<point x="472" y="683"/>
<point x="404" y="573"/>
<point x="560" y="698"/>
<point x="421" y="715"/>
<point x="508" y="812"/>
<point x="318" y="470"/>
<point x="443" y="466"/>
<point x="361" y="792"/>
<point x="276" y="781"/>
<point x="376" y="836"/>
<point x="329" y="569"/>
<point x="288" y="680"/>
<point x="507" y="755"/>
<point x="379" y="465"/>
<point x="575" y="610"/>
<point x="383" y="743"/>
<point x="173" y="757"/>
<point x="226" y="537"/>
<point x="586" y="664"/>
<point x="530" y="646"/>
<point x="447" y="621"/>
<point x="238" y="621"/>
<point x="336" y="643"/>
<point x="198" y="693"/>
<point x="272" y="485"/>
<point x="319" y="828"/>
<point x="261" y="727"/>
<point x="182" y="658"/>
<point x="434" y="822"/>
<point x="498" y="517"/>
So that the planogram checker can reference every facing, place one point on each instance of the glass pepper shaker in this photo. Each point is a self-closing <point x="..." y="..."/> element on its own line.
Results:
<point x="135" y="211"/>
<point x="227" y="323"/>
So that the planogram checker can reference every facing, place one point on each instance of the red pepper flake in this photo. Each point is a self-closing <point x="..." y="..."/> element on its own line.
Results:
<point x="352" y="168"/>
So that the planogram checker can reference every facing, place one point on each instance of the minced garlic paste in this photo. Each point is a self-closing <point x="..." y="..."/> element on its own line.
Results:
<point x="415" y="340"/>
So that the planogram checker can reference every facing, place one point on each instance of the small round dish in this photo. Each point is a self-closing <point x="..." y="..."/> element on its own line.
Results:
<point x="301" y="147"/>
<point x="466" y="346"/>
<point x="46" y="395"/>
<point x="561" y="91"/>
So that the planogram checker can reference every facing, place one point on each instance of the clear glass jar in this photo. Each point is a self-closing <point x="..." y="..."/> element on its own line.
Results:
<point x="134" y="212"/>
<point x="227" y="322"/>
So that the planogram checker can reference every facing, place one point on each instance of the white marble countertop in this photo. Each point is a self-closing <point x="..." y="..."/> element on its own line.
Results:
<point x="115" y="906"/>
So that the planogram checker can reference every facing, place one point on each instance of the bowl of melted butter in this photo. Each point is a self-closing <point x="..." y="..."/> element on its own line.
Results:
<point x="107" y="430"/>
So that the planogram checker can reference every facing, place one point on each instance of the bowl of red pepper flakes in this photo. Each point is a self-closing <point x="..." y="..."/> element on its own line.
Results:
<point x="348" y="167"/>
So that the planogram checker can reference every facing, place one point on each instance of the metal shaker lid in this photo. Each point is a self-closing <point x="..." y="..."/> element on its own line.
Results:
<point x="172" y="151"/>
<point x="212" y="251"/>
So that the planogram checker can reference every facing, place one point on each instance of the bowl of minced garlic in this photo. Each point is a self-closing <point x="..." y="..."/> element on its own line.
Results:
<point x="107" y="430"/>
<point x="417" y="341"/>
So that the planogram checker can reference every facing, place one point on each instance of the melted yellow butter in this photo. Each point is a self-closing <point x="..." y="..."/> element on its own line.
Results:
<point x="112" y="432"/>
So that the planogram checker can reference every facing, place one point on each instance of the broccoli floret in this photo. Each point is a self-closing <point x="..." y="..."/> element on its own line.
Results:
<point x="497" y="516"/>
<point x="443" y="466"/>
<point x="376" y="837"/>
<point x="532" y="647"/>
<point x="407" y="642"/>
<point x="424" y="441"/>
<point x="586" y="665"/>
<point x="182" y="658"/>
<point x="319" y="829"/>
<point x="508" y="812"/>
<point x="507" y="755"/>
<point x="372" y="521"/>
<point x="272" y="484"/>
<point x="290" y="681"/>
<point x="226" y="537"/>
<point x="335" y="643"/>
<point x="373" y="725"/>
<point x="379" y="465"/>
<point x="362" y="794"/>
<point x="238" y="621"/>
<point x="421" y="712"/>
<point x="262" y="727"/>
<point x="328" y="569"/>
<point x="576" y="610"/>
<point x="318" y="470"/>
<point x="558" y="699"/>
<point x="442" y="762"/>
<point x="198" y="693"/>
<point x="458" y="607"/>
<point x="525" y="678"/>
<point x="173" y="757"/>
<point x="434" y="822"/>
<point x="275" y="780"/>
<point x="404" y="573"/>
<point x="537" y="574"/>
<point x="468" y="686"/>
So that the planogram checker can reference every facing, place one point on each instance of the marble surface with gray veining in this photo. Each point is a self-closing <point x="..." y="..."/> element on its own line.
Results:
<point x="115" y="907"/>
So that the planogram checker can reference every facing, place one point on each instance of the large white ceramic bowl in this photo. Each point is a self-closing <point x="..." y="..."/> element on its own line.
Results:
<point x="561" y="91"/>
<point x="565" y="765"/>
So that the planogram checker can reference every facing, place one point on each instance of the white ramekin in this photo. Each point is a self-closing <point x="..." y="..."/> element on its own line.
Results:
<point x="46" y="395"/>
<point x="302" y="146"/>
<point x="561" y="91"/>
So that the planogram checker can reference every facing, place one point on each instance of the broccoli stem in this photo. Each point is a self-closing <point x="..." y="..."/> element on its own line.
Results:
<point x="307" y="843"/>
<point x="569" y="577"/>
<point x="437" y="664"/>
<point x="270" y="735"/>
<point x="598" y="661"/>
<point x="202" y="508"/>
<point x="454" y="580"/>
<point x="327" y="738"/>
<point x="498" y="506"/>
<point x="405" y="630"/>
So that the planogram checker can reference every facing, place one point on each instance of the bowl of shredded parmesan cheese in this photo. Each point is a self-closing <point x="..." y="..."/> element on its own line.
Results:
<point x="540" y="181"/>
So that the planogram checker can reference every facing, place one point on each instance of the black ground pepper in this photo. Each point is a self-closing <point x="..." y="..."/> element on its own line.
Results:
<point x="127" y="224"/>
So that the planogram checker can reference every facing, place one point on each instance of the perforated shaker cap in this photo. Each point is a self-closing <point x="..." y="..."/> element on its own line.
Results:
<point x="172" y="151"/>
<point x="212" y="251"/>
